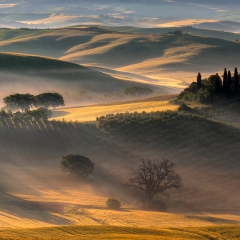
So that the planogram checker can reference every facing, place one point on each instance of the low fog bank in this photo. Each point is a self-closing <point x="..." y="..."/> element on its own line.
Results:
<point x="43" y="14"/>
<point x="77" y="91"/>
<point x="35" y="191"/>
<point x="30" y="166"/>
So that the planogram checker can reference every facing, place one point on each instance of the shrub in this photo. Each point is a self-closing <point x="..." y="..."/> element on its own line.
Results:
<point x="113" y="203"/>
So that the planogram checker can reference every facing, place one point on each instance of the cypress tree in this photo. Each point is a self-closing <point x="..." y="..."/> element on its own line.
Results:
<point x="225" y="77"/>
<point x="236" y="81"/>
<point x="229" y="81"/>
<point x="199" y="81"/>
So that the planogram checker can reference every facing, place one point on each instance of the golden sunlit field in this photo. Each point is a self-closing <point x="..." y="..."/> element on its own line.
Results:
<point x="106" y="232"/>
<point x="32" y="202"/>
<point x="90" y="113"/>
<point x="186" y="22"/>
<point x="91" y="67"/>
<point x="167" y="59"/>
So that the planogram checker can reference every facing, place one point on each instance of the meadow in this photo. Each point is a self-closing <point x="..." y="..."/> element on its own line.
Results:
<point x="35" y="194"/>
<point x="107" y="232"/>
<point x="35" y="74"/>
<point x="133" y="136"/>
<point x="90" y="113"/>
<point x="39" y="202"/>
<point x="151" y="53"/>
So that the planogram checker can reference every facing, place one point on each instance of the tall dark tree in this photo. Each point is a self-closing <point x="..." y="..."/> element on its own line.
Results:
<point x="236" y="81"/>
<point x="229" y="82"/>
<point x="21" y="102"/>
<point x="225" y="77"/>
<point x="199" y="81"/>
<point x="48" y="100"/>
<point x="153" y="178"/>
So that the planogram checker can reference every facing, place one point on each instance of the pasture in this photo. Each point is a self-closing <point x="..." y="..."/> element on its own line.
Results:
<point x="90" y="113"/>
<point x="111" y="232"/>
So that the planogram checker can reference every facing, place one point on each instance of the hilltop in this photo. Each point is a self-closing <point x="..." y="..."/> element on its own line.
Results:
<point x="167" y="59"/>
<point x="202" y="32"/>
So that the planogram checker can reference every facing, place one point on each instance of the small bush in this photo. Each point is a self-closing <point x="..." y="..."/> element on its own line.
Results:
<point x="113" y="203"/>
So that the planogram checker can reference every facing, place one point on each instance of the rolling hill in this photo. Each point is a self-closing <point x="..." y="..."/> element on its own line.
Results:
<point x="167" y="59"/>
<point x="202" y="32"/>
<point x="91" y="112"/>
<point x="28" y="73"/>
<point x="34" y="192"/>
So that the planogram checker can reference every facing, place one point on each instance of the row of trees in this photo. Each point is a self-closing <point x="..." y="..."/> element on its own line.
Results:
<point x="230" y="85"/>
<point x="27" y="101"/>
<point x="203" y="91"/>
<point x="129" y="92"/>
<point x="40" y="114"/>
<point x="148" y="180"/>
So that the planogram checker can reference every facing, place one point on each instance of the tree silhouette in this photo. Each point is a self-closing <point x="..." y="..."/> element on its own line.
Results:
<point x="76" y="165"/>
<point x="47" y="100"/>
<point x="152" y="178"/>
<point x="19" y="101"/>
<point x="199" y="81"/>
<point x="229" y="82"/>
<point x="216" y="81"/>
<point x="225" y="79"/>
<point x="236" y="81"/>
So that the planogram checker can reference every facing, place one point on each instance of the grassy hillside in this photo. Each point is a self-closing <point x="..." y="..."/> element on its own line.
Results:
<point x="171" y="60"/>
<point x="201" y="148"/>
<point x="163" y="57"/>
<point x="185" y="30"/>
<point x="35" y="193"/>
<point x="50" y="42"/>
<point x="27" y="73"/>
<point x="90" y="113"/>
<point x="226" y="232"/>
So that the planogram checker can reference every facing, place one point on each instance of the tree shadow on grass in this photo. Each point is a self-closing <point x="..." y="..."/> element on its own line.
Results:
<point x="214" y="219"/>
<point x="59" y="114"/>
<point x="18" y="207"/>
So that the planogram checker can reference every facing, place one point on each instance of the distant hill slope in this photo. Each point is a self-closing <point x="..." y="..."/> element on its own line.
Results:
<point x="169" y="59"/>
<point x="28" y="73"/>
<point x="199" y="30"/>
<point x="228" y="26"/>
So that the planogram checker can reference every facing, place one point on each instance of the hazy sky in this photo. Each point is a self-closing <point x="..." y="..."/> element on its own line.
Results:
<point x="56" y="13"/>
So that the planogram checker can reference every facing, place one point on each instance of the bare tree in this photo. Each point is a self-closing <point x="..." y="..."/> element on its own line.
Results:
<point x="152" y="178"/>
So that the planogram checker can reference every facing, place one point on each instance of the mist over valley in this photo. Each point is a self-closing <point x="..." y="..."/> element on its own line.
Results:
<point x="119" y="119"/>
